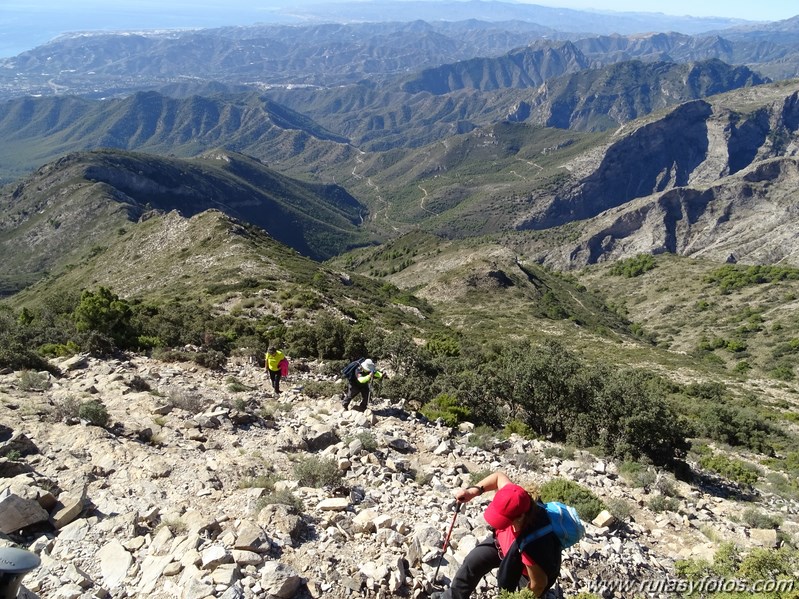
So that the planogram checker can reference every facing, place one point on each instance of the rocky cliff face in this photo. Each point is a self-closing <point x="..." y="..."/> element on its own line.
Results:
<point x="708" y="177"/>
<point x="162" y="501"/>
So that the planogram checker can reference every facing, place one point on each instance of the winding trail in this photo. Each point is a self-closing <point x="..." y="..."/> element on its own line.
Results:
<point x="384" y="204"/>
<point x="421" y="202"/>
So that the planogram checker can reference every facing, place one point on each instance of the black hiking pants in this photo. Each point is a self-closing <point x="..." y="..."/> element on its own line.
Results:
<point x="274" y="376"/>
<point x="354" y="389"/>
<point x="480" y="561"/>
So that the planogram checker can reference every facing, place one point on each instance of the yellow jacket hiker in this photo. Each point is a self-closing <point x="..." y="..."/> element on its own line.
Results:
<point x="273" y="359"/>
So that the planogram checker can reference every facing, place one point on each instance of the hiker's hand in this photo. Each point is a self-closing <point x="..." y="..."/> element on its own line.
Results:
<point x="467" y="494"/>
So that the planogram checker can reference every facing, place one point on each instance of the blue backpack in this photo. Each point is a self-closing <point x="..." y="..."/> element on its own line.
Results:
<point x="563" y="521"/>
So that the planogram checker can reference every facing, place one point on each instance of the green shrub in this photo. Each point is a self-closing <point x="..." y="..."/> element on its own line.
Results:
<point x="282" y="497"/>
<point x="754" y="518"/>
<point x="103" y="313"/>
<point x="633" y="267"/>
<point x="263" y="481"/>
<point x="730" y="468"/>
<point x="732" y="276"/>
<point x="562" y="452"/>
<point x="661" y="503"/>
<point x="483" y="437"/>
<point x="619" y="508"/>
<point x="523" y="594"/>
<point x="313" y="471"/>
<point x="211" y="359"/>
<point x="368" y="441"/>
<point x="30" y="380"/>
<point x="321" y="389"/>
<point x="692" y="569"/>
<point x="234" y="385"/>
<point x="58" y="350"/>
<point x="517" y="427"/>
<point x="94" y="412"/>
<point x="65" y="409"/>
<point x="764" y="564"/>
<point x="446" y="407"/>
<point x="443" y="345"/>
<point x="584" y="501"/>
<point x="737" y="426"/>
<point x="727" y="559"/>
<point x="637" y="475"/>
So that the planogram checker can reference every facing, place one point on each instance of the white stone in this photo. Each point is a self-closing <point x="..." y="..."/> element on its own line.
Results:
<point x="115" y="561"/>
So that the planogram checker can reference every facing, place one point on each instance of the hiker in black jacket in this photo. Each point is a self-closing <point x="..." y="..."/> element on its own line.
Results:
<point x="359" y="376"/>
<point x="513" y="511"/>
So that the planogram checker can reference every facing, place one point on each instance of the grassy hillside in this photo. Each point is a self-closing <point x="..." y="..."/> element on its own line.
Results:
<point x="739" y="319"/>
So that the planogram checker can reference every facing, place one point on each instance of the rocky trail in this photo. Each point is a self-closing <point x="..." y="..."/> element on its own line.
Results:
<point x="163" y="501"/>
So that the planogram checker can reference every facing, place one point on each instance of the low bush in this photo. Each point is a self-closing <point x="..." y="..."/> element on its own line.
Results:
<point x="367" y="439"/>
<point x="619" y="508"/>
<point x="94" y="412"/>
<point x="31" y="380"/>
<point x="234" y="385"/>
<point x="282" y="497"/>
<point x="730" y="468"/>
<point x="637" y="475"/>
<point x="661" y="503"/>
<point x="517" y="427"/>
<point x="65" y="409"/>
<point x="185" y="400"/>
<point x="137" y="383"/>
<point x="754" y="518"/>
<point x="447" y="408"/>
<point x="569" y="492"/>
<point x="321" y="389"/>
<point x="263" y="481"/>
<point x="313" y="471"/>
<point x="483" y="437"/>
<point x="633" y="267"/>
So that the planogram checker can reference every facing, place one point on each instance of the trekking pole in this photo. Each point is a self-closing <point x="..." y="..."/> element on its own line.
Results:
<point x="446" y="539"/>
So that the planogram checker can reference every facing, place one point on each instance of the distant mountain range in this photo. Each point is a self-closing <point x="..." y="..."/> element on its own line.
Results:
<point x="102" y="64"/>
<point x="23" y="27"/>
<point x="335" y="136"/>
<point x="364" y="117"/>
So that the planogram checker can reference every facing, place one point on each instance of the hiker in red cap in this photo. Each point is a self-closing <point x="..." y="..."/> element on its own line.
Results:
<point x="512" y="512"/>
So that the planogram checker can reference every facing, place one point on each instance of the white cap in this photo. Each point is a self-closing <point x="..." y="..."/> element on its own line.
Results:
<point x="367" y="364"/>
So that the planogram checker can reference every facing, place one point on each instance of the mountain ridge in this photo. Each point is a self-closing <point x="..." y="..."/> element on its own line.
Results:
<point x="81" y="200"/>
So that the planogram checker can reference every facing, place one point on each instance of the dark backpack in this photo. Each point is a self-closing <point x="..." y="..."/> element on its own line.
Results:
<point x="350" y="371"/>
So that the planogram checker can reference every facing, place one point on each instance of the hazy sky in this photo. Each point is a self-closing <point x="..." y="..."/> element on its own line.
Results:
<point x="754" y="10"/>
<point x="762" y="10"/>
